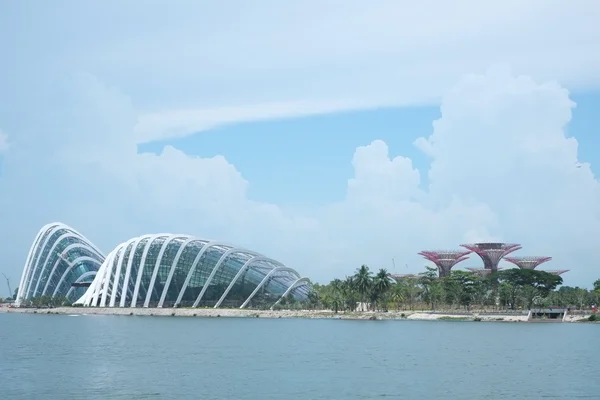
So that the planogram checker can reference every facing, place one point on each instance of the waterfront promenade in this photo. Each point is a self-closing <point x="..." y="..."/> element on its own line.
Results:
<point x="311" y="314"/>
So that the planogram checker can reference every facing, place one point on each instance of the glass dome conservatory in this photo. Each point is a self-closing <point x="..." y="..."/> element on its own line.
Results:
<point x="167" y="270"/>
<point x="158" y="270"/>
<point x="59" y="264"/>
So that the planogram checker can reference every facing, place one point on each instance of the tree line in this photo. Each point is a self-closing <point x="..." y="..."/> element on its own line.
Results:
<point x="462" y="290"/>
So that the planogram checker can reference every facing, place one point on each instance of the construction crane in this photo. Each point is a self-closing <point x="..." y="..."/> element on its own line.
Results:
<point x="10" y="293"/>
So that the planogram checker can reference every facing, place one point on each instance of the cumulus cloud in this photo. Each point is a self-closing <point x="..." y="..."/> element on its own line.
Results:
<point x="501" y="140"/>
<point x="501" y="168"/>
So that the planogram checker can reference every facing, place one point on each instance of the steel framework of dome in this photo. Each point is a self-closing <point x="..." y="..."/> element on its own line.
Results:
<point x="181" y="270"/>
<point x="153" y="270"/>
<point x="59" y="258"/>
<point x="445" y="259"/>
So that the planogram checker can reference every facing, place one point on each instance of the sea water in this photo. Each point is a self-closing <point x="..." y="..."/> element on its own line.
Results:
<point x="127" y="357"/>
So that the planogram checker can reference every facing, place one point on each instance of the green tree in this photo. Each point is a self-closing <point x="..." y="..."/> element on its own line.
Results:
<point x="529" y="283"/>
<point x="432" y="286"/>
<point x="463" y="287"/>
<point x="338" y="295"/>
<point x="349" y="293"/>
<point x="410" y="290"/>
<point x="313" y="300"/>
<point x="515" y="288"/>
<point x="382" y="283"/>
<point x="397" y="296"/>
<point x="509" y="294"/>
<point x="363" y="282"/>
<point x="567" y="296"/>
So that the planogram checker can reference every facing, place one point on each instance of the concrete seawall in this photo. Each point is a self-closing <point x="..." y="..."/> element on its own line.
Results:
<point x="310" y="314"/>
<point x="496" y="317"/>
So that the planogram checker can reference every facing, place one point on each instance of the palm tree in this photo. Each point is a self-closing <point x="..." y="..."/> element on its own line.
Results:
<point x="382" y="283"/>
<point x="349" y="293"/>
<point x="397" y="296"/>
<point x="313" y="299"/>
<point x="363" y="282"/>
<point x="337" y="285"/>
<point x="431" y="285"/>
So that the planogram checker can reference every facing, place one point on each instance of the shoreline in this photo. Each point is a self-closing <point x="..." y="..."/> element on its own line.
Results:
<point x="302" y="314"/>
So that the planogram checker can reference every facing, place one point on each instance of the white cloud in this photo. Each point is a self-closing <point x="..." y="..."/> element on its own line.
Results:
<point x="178" y="123"/>
<point x="377" y="177"/>
<point x="502" y="141"/>
<point x="208" y="63"/>
<point x="501" y="169"/>
<point x="4" y="145"/>
<point x="501" y="166"/>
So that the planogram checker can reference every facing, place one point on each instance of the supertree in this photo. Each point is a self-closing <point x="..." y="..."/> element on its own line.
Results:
<point x="492" y="253"/>
<point x="528" y="262"/>
<point x="445" y="259"/>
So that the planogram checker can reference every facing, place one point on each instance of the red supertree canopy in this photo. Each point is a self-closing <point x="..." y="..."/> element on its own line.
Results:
<point x="492" y="253"/>
<point x="528" y="262"/>
<point x="445" y="259"/>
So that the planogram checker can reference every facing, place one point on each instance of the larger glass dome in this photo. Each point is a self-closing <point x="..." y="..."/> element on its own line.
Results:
<point x="168" y="270"/>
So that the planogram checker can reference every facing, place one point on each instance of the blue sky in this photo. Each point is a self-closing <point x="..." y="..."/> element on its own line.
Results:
<point x="305" y="162"/>
<point x="323" y="134"/>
